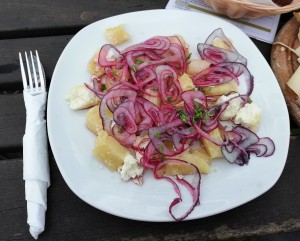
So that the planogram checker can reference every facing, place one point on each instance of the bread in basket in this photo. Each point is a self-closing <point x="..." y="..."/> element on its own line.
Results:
<point x="244" y="9"/>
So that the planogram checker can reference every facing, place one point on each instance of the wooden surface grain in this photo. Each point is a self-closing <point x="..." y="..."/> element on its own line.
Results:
<point x="12" y="122"/>
<point x="48" y="26"/>
<point x="49" y="49"/>
<point x="53" y="17"/>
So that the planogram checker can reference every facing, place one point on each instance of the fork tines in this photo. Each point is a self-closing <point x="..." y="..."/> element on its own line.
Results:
<point x="35" y="72"/>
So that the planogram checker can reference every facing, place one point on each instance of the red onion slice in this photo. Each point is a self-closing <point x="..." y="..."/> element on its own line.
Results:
<point x="159" y="136"/>
<point x="216" y="55"/>
<point x="193" y="187"/>
<point x="192" y="98"/>
<point x="258" y="149"/>
<point x="104" y="58"/>
<point x="169" y="87"/>
<point x="156" y="43"/>
<point x="152" y="110"/>
<point x="124" y="115"/>
<point x="143" y="77"/>
<point x="175" y="57"/>
<point x="242" y="142"/>
<point x="218" y="33"/>
<point x="239" y="69"/>
<point x="212" y="76"/>
<point x="124" y="137"/>
<point x="121" y="95"/>
<point x="269" y="144"/>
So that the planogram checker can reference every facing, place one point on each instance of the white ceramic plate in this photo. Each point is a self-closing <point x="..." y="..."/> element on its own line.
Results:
<point x="226" y="187"/>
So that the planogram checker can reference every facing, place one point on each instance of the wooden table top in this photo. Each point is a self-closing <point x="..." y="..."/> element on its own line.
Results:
<point x="48" y="26"/>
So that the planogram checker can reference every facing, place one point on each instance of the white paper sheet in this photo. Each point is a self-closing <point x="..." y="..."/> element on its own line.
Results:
<point x="263" y="29"/>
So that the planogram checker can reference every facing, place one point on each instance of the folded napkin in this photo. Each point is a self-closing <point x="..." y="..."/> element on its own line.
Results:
<point x="35" y="162"/>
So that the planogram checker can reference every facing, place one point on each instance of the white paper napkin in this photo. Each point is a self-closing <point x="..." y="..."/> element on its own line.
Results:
<point x="35" y="162"/>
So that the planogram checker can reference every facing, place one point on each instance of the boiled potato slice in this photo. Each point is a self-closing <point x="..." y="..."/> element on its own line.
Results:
<point x="222" y="89"/>
<point x="109" y="151"/>
<point x="196" y="66"/>
<point x="154" y="97"/>
<point x="195" y="155"/>
<point x="220" y="44"/>
<point x="93" y="120"/>
<point x="198" y="157"/>
<point x="213" y="150"/>
<point x="186" y="82"/>
<point x="173" y="169"/>
<point x="94" y="67"/>
<point x="116" y="35"/>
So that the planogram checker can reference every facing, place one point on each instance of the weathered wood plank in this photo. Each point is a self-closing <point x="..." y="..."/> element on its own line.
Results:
<point x="52" y="17"/>
<point x="12" y="122"/>
<point x="69" y="218"/>
<point x="295" y="236"/>
<point x="49" y="49"/>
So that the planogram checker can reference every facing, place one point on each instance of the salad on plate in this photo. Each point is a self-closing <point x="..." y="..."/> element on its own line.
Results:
<point x="154" y="107"/>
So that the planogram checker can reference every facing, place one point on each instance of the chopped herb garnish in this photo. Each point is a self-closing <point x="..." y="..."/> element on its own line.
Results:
<point x="189" y="56"/>
<point x="202" y="89"/>
<point x="169" y="99"/>
<point x="191" y="87"/>
<point x="139" y="61"/>
<point x="249" y="101"/>
<point x="209" y="114"/>
<point x="134" y="68"/>
<point x="161" y="148"/>
<point x="182" y="115"/>
<point x="192" y="129"/>
<point x="198" y="113"/>
<point x="197" y="117"/>
<point x="103" y="87"/>
<point x="156" y="134"/>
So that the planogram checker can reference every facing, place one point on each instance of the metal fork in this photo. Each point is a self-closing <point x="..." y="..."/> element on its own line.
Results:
<point x="36" y="77"/>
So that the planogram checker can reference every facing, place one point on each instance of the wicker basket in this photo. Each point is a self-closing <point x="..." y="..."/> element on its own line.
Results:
<point x="239" y="8"/>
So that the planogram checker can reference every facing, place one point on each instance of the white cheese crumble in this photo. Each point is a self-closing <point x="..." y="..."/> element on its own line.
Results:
<point x="80" y="97"/>
<point x="249" y="116"/>
<point x="233" y="106"/>
<point x="131" y="168"/>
